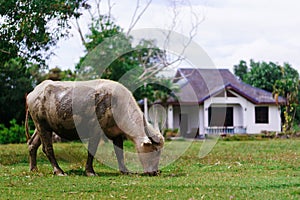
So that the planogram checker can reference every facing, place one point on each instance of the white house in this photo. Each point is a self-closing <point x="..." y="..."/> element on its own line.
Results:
<point x="215" y="101"/>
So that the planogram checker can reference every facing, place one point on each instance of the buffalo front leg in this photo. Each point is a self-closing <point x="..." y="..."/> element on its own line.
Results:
<point x="118" y="146"/>
<point x="92" y="148"/>
<point x="33" y="145"/>
<point x="46" y="138"/>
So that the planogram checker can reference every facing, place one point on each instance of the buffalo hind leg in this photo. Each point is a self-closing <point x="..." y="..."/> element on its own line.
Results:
<point x="33" y="145"/>
<point x="92" y="148"/>
<point x="46" y="139"/>
<point x="118" y="146"/>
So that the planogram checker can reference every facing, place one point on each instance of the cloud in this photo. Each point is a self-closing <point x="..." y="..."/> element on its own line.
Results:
<point x="261" y="30"/>
<point x="259" y="50"/>
<point x="232" y="29"/>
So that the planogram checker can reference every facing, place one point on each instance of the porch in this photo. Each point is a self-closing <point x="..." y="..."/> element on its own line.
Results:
<point x="213" y="118"/>
<point x="226" y="130"/>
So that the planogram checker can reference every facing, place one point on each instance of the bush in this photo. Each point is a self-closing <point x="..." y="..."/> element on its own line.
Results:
<point x="243" y="137"/>
<point x="168" y="133"/>
<point x="14" y="134"/>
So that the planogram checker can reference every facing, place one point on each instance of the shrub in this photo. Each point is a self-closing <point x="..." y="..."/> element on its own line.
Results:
<point x="14" y="134"/>
<point x="168" y="133"/>
<point x="243" y="137"/>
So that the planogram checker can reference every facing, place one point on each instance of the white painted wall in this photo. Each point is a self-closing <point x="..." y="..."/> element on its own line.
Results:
<point x="193" y="116"/>
<point x="238" y="103"/>
<point x="244" y="115"/>
<point x="274" y="120"/>
<point x="238" y="117"/>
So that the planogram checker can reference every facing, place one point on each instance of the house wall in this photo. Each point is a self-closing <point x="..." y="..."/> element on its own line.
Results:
<point x="274" y="119"/>
<point x="244" y="115"/>
<point x="193" y="117"/>
<point x="238" y="117"/>
<point x="238" y="103"/>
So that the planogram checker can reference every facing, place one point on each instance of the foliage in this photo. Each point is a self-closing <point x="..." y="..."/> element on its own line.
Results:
<point x="241" y="70"/>
<point x="56" y="74"/>
<point x="296" y="128"/>
<point x="110" y="52"/>
<point x="258" y="74"/>
<point x="15" y="82"/>
<point x="169" y="133"/>
<point x="27" y="27"/>
<point x="280" y="80"/>
<point x="100" y="29"/>
<point x="233" y="170"/>
<point x="28" y="30"/>
<point x="100" y="44"/>
<point x="14" y="134"/>
<point x="288" y="86"/>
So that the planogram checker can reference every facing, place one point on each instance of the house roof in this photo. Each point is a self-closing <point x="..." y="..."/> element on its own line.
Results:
<point x="201" y="84"/>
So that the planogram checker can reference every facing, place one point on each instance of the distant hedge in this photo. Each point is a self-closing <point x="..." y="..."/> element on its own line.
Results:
<point x="14" y="134"/>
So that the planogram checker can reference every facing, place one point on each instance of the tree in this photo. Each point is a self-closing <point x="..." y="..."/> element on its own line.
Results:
<point x="263" y="75"/>
<point x="145" y="59"/>
<point x="288" y="87"/>
<point x="56" y="74"/>
<point x="280" y="80"/>
<point x="28" y="30"/>
<point x="27" y="27"/>
<point x="113" y="41"/>
<point x="15" y="82"/>
<point x="241" y="70"/>
<point x="101" y="29"/>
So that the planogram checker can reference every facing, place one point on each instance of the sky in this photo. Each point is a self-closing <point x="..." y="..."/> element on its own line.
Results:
<point x="230" y="30"/>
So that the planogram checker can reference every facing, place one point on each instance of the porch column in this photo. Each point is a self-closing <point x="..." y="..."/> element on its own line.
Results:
<point x="170" y="117"/>
<point x="201" y="120"/>
<point x="206" y="105"/>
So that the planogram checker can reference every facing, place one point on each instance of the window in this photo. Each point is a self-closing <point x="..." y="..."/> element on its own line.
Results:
<point x="262" y="115"/>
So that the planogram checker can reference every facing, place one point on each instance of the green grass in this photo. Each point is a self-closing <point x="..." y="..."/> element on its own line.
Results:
<point x="268" y="169"/>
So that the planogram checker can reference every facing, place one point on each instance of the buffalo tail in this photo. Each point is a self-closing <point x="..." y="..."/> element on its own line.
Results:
<point x="26" y="120"/>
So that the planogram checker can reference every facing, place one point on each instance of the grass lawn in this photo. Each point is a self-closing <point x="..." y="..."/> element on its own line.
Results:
<point x="268" y="169"/>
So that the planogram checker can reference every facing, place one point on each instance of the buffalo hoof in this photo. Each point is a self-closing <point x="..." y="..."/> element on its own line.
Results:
<point x="34" y="169"/>
<point x="59" y="173"/>
<point x="154" y="173"/>
<point x="126" y="172"/>
<point x="91" y="174"/>
<point x="62" y="174"/>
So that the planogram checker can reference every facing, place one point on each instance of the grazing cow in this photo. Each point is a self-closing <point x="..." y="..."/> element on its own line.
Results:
<point x="85" y="110"/>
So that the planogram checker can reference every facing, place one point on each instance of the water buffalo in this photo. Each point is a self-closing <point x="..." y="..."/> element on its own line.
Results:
<point x="85" y="110"/>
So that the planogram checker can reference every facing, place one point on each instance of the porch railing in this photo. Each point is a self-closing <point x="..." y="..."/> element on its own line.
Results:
<point x="226" y="130"/>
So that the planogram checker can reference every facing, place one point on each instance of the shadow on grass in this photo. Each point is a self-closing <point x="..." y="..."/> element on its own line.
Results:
<point x="80" y="172"/>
